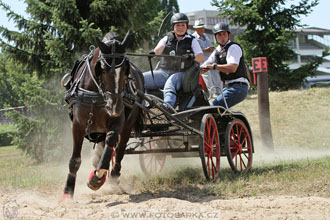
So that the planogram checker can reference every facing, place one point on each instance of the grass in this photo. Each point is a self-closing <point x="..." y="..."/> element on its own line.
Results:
<point x="19" y="171"/>
<point x="6" y="128"/>
<point x="300" y="178"/>
<point x="300" y="120"/>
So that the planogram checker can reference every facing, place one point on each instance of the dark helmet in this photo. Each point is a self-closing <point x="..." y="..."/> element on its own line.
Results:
<point x="221" y="27"/>
<point x="179" y="18"/>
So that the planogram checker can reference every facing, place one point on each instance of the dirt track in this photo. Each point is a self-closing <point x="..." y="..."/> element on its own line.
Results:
<point x="123" y="201"/>
<point x="112" y="202"/>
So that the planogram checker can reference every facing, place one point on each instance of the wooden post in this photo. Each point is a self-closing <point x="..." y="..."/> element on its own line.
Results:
<point x="259" y="66"/>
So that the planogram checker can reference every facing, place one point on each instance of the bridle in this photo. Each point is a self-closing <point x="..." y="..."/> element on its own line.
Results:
<point x="102" y="58"/>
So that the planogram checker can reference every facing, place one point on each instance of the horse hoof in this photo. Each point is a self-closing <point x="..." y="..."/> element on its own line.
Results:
<point x="65" y="196"/>
<point x="94" y="182"/>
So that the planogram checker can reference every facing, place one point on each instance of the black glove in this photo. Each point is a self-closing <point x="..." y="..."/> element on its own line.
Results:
<point x="189" y="56"/>
<point x="151" y="52"/>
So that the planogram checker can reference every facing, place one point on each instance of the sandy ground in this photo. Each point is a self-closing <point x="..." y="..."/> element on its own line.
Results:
<point x="123" y="202"/>
<point x="112" y="202"/>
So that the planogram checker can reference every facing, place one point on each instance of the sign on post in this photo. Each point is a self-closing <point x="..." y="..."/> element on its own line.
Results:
<point x="259" y="65"/>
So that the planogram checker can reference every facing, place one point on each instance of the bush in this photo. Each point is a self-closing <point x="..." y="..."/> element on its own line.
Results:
<point x="7" y="132"/>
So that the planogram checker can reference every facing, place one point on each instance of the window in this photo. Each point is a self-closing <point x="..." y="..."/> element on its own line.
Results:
<point x="212" y="20"/>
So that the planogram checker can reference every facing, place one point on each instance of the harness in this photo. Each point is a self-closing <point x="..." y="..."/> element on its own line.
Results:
<point x="86" y="97"/>
<point x="94" y="99"/>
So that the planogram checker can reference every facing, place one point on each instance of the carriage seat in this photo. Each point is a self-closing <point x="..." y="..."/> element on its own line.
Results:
<point x="191" y="92"/>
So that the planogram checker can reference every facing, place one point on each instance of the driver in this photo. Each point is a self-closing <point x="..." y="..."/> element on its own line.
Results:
<point x="171" y="69"/>
<point x="228" y="60"/>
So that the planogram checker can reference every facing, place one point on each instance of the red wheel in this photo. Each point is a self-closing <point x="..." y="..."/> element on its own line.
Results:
<point x="209" y="147"/>
<point x="152" y="164"/>
<point x="238" y="146"/>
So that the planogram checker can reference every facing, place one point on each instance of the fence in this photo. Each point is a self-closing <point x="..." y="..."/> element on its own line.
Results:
<point x="6" y="120"/>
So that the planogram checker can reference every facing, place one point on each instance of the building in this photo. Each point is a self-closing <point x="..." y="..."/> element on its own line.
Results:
<point x="210" y="18"/>
<point x="310" y="42"/>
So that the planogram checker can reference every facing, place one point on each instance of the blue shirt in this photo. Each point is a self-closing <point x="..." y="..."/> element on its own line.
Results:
<point x="204" y="42"/>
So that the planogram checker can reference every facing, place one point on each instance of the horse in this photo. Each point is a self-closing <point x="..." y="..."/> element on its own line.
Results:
<point x="97" y="95"/>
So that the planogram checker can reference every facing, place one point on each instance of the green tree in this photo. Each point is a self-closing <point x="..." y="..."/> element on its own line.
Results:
<point x="11" y="76"/>
<point x="57" y="31"/>
<point x="39" y="132"/>
<point x="269" y="29"/>
<point x="42" y="133"/>
<point x="169" y="7"/>
<point x="47" y="42"/>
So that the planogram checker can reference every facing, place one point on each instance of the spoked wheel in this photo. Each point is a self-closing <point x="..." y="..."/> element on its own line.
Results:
<point x="209" y="147"/>
<point x="152" y="164"/>
<point x="238" y="146"/>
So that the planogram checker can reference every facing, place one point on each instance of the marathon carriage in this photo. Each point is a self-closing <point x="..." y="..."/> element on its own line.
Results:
<point x="109" y="105"/>
<point x="194" y="129"/>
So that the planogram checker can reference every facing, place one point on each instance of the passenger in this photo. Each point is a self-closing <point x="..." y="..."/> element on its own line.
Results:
<point x="212" y="77"/>
<point x="228" y="59"/>
<point x="171" y="69"/>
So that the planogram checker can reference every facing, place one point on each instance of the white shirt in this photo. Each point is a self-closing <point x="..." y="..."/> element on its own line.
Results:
<point x="194" y="44"/>
<point x="234" y="55"/>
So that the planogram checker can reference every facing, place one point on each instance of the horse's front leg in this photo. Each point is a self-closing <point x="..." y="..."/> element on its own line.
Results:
<point x="75" y="161"/>
<point x="97" y="153"/>
<point x="120" y="151"/>
<point x="98" y="176"/>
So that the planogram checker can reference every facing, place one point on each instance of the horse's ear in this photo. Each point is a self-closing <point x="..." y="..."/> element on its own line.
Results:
<point x="103" y="47"/>
<point x="126" y="39"/>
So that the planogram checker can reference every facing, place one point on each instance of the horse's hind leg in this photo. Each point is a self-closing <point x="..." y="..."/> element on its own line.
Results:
<point x="74" y="163"/>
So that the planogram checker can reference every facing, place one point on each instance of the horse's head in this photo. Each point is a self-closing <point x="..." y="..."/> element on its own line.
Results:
<point x="113" y="68"/>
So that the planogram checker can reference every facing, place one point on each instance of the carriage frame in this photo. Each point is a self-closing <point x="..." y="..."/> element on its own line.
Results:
<point x="209" y="132"/>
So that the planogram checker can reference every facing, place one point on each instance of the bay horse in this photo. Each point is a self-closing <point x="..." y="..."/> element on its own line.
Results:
<point x="96" y="95"/>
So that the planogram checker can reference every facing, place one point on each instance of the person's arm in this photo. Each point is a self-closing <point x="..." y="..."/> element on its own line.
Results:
<point x="199" y="58"/>
<point x="198" y="52"/>
<point x="234" y="55"/>
<point x="209" y="46"/>
<point x="159" y="49"/>
<point x="209" y="62"/>
<point x="225" y="68"/>
<point x="208" y="49"/>
<point x="160" y="46"/>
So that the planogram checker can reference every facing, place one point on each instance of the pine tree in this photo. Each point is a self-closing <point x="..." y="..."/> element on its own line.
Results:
<point x="55" y="34"/>
<point x="58" y="31"/>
